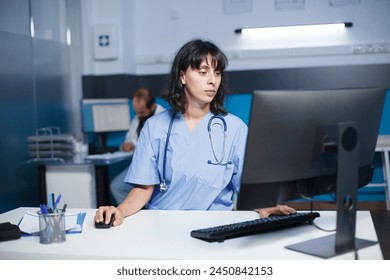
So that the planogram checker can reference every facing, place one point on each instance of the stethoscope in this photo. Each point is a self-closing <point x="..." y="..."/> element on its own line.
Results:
<point x="218" y="161"/>
<point x="163" y="184"/>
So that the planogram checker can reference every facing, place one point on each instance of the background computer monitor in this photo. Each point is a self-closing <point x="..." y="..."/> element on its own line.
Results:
<point x="105" y="115"/>
<point x="309" y="142"/>
<point x="102" y="116"/>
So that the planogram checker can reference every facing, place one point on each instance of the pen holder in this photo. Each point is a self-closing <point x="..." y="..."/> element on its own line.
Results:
<point x="52" y="228"/>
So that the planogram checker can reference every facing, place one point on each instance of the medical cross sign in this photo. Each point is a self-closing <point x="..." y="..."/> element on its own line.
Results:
<point x="104" y="40"/>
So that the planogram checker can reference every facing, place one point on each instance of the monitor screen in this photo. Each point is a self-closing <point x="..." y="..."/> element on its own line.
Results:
<point x="105" y="115"/>
<point x="291" y="135"/>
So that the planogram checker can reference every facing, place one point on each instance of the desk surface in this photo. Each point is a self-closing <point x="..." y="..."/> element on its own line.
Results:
<point x="83" y="159"/>
<point x="383" y="143"/>
<point x="166" y="235"/>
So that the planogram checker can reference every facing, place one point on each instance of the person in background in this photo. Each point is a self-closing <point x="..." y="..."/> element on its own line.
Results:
<point x="191" y="156"/>
<point x="145" y="106"/>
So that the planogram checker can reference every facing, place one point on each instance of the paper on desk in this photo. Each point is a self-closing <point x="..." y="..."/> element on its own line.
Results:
<point x="105" y="156"/>
<point x="73" y="222"/>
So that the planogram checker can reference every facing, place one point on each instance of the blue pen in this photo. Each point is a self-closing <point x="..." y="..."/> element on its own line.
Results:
<point x="43" y="209"/>
<point x="57" y="202"/>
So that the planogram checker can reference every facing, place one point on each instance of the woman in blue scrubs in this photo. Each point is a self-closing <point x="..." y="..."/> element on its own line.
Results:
<point x="191" y="156"/>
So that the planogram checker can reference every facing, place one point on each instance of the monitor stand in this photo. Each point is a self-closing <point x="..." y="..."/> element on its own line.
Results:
<point x="102" y="147"/>
<point x="346" y="199"/>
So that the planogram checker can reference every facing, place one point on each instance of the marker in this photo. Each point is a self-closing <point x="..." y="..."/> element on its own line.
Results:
<point x="52" y="201"/>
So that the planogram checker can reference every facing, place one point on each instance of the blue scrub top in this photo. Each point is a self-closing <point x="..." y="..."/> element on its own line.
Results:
<point x="193" y="183"/>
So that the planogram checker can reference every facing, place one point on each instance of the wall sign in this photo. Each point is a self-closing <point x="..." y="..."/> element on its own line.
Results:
<point x="105" y="42"/>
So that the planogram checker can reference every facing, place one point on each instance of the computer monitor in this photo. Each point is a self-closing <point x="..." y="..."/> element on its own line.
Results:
<point x="101" y="116"/>
<point x="310" y="142"/>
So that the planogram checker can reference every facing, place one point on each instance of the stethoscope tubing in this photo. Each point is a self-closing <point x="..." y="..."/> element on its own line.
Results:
<point x="163" y="184"/>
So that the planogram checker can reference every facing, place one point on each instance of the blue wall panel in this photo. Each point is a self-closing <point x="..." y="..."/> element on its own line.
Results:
<point x="18" y="182"/>
<point x="34" y="92"/>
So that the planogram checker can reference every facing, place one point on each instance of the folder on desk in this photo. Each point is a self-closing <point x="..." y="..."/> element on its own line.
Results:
<point x="29" y="224"/>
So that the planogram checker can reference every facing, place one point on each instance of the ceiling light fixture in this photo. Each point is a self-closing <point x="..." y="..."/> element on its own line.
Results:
<point x="294" y="28"/>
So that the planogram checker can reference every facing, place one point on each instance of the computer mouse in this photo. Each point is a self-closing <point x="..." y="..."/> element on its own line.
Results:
<point x="103" y="224"/>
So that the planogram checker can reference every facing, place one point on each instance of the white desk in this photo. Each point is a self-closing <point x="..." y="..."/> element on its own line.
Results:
<point x="383" y="146"/>
<point x="166" y="235"/>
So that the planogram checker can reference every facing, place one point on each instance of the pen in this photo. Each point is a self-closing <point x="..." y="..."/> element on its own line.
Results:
<point x="43" y="209"/>
<point x="64" y="208"/>
<point x="57" y="202"/>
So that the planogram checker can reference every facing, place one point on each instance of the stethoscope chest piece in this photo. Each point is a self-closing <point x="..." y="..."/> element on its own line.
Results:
<point x="163" y="186"/>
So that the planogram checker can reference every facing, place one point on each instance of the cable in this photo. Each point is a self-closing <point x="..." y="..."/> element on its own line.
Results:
<point x="311" y="200"/>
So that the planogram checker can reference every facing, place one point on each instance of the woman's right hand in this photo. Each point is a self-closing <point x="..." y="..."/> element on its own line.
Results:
<point x="109" y="211"/>
<point x="276" y="210"/>
<point x="134" y="201"/>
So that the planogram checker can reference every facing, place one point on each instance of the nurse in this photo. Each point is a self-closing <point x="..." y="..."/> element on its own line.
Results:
<point x="191" y="156"/>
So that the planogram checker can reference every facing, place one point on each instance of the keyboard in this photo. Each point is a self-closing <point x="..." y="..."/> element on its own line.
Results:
<point x="222" y="232"/>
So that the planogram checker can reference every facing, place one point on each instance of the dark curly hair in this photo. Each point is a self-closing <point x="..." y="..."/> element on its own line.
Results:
<point x="191" y="55"/>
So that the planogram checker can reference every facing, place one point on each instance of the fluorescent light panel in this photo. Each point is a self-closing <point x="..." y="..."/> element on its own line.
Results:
<point x="294" y="28"/>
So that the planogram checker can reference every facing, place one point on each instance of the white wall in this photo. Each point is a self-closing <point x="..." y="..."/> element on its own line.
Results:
<point x="151" y="31"/>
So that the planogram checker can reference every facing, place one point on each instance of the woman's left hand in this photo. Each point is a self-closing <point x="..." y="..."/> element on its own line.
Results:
<point x="276" y="210"/>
